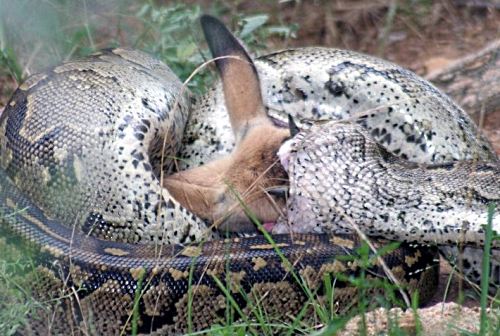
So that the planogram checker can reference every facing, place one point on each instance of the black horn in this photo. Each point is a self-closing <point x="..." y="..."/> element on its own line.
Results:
<point x="294" y="129"/>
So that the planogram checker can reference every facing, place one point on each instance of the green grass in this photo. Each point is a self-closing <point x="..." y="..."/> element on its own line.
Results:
<point x="75" y="29"/>
<point x="318" y="315"/>
<point x="489" y="237"/>
<point x="16" y="271"/>
<point x="15" y="289"/>
<point x="135" y="309"/>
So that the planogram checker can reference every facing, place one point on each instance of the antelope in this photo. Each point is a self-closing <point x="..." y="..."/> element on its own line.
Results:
<point x="252" y="170"/>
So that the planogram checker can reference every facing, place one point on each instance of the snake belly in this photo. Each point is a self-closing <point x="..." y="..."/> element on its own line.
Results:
<point x="81" y="150"/>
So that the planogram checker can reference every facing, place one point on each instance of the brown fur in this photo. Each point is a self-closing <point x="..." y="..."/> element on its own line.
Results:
<point x="212" y="191"/>
<point x="239" y="80"/>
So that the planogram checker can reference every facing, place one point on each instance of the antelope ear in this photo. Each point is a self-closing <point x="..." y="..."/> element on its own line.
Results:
<point x="239" y="76"/>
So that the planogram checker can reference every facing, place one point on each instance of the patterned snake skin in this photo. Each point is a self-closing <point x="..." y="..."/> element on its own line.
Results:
<point x="388" y="196"/>
<point x="400" y="111"/>
<point x="81" y="150"/>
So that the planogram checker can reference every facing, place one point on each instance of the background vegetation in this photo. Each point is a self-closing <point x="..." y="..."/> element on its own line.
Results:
<point x="62" y="30"/>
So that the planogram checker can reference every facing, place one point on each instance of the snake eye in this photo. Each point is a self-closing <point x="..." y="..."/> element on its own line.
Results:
<point x="292" y="126"/>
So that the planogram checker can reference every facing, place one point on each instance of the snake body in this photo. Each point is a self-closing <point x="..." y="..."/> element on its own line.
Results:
<point x="360" y="182"/>
<point x="61" y="155"/>
<point x="403" y="112"/>
<point x="81" y="149"/>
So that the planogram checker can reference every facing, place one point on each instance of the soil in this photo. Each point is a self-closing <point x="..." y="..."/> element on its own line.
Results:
<point x="446" y="319"/>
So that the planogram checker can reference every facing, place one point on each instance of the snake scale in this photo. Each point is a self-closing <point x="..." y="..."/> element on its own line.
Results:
<point x="81" y="155"/>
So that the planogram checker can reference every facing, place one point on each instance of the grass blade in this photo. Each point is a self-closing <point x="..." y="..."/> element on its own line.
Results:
<point x="486" y="270"/>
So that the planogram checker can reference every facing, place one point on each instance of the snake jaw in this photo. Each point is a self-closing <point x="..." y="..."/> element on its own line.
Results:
<point x="285" y="153"/>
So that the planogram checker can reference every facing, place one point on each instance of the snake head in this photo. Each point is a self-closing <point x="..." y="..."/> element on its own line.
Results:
<point x="233" y="191"/>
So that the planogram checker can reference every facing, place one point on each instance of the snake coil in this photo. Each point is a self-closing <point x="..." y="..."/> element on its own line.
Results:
<point x="81" y="148"/>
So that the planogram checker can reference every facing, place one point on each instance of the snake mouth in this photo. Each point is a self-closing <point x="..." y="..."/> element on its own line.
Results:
<point x="285" y="154"/>
<point x="242" y="225"/>
<point x="269" y="226"/>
